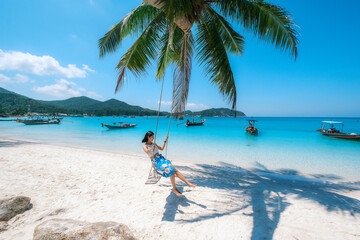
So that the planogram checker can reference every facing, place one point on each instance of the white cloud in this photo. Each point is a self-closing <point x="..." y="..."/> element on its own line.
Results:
<point x="4" y="79"/>
<point x="62" y="88"/>
<point x="20" y="78"/>
<point x="94" y="95"/>
<point x="86" y="67"/>
<point x="39" y="65"/>
<point x="165" y="103"/>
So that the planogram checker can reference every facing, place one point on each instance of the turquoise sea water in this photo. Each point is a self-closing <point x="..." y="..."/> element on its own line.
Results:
<point x="282" y="143"/>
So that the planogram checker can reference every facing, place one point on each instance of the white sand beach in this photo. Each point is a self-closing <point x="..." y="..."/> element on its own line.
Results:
<point x="228" y="203"/>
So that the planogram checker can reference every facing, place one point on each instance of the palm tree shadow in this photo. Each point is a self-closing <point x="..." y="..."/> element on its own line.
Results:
<point x="172" y="205"/>
<point x="12" y="143"/>
<point x="264" y="192"/>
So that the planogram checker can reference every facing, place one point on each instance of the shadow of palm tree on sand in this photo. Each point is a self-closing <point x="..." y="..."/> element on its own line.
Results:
<point x="258" y="193"/>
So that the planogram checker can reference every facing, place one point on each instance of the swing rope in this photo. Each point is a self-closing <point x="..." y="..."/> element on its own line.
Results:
<point x="157" y="119"/>
<point x="168" y="135"/>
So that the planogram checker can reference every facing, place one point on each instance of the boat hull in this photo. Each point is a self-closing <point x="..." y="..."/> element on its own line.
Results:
<point x="39" y="123"/>
<point x="118" y="127"/>
<point x="252" y="131"/>
<point x="343" y="136"/>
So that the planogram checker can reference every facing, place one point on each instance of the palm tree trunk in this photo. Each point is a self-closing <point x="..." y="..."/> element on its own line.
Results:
<point x="182" y="22"/>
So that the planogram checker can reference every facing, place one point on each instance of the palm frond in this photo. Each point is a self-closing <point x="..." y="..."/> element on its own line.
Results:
<point x="233" y="41"/>
<point x="269" y="22"/>
<point x="170" y="46"/>
<point x="133" y="23"/>
<point x="140" y="54"/>
<point x="212" y="54"/>
<point x="165" y="53"/>
<point x="182" y="73"/>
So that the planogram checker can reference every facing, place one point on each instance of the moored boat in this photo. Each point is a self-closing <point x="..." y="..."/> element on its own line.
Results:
<point x="251" y="128"/>
<point x="333" y="132"/>
<point x="121" y="126"/>
<point x="39" y="121"/>
<point x="193" y="123"/>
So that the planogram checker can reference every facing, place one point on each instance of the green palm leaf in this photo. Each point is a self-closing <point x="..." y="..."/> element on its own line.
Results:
<point x="165" y="53"/>
<point x="133" y="23"/>
<point x="140" y="54"/>
<point x="269" y="22"/>
<point x="212" y="54"/>
<point x="233" y="41"/>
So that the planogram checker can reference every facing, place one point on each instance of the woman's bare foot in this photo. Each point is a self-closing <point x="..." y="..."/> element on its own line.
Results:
<point x="192" y="185"/>
<point x="177" y="192"/>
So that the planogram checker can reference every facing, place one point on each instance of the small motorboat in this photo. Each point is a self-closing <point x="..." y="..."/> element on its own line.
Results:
<point x="333" y="132"/>
<point x="121" y="126"/>
<point x="251" y="128"/>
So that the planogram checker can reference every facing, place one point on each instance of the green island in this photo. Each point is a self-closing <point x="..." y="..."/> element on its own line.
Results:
<point x="13" y="104"/>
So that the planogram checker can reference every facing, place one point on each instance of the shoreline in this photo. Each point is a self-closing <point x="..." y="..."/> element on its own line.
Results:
<point x="229" y="202"/>
<point x="257" y="167"/>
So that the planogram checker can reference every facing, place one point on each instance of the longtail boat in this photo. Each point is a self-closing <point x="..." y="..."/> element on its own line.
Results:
<point x="193" y="123"/>
<point x="251" y="128"/>
<point x="39" y="121"/>
<point x="121" y="126"/>
<point x="333" y="132"/>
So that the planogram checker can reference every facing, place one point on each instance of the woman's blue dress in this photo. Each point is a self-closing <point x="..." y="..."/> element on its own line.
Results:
<point x="162" y="166"/>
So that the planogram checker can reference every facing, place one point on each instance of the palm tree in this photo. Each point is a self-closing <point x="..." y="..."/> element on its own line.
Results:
<point x="165" y="31"/>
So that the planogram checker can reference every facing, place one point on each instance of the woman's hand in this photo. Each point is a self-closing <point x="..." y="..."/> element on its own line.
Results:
<point x="166" y="138"/>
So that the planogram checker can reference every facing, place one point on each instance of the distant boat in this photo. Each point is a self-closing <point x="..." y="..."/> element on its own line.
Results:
<point x="251" y="128"/>
<point x="39" y="121"/>
<point x="121" y="126"/>
<point x="193" y="123"/>
<point x="333" y="132"/>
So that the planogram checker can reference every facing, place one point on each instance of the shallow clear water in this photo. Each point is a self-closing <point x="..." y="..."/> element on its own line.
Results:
<point x="282" y="143"/>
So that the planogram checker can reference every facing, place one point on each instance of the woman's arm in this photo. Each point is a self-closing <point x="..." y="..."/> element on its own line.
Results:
<point x="163" y="146"/>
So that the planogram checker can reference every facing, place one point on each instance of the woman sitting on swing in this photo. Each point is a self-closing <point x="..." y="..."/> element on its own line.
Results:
<point x="162" y="165"/>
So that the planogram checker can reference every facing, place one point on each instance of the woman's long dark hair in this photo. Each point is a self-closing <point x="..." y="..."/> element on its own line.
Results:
<point x="147" y="135"/>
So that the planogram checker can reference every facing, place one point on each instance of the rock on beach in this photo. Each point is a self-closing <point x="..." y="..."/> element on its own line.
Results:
<point x="10" y="207"/>
<point x="68" y="229"/>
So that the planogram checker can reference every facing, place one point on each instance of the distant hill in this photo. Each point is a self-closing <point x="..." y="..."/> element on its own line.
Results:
<point x="98" y="108"/>
<point x="16" y="104"/>
<point x="75" y="103"/>
<point x="219" y="112"/>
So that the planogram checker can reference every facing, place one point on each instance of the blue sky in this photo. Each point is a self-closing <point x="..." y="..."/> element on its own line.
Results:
<point x="48" y="51"/>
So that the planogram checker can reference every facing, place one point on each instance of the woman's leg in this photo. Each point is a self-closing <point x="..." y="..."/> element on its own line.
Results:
<point x="175" y="190"/>
<point x="179" y="175"/>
